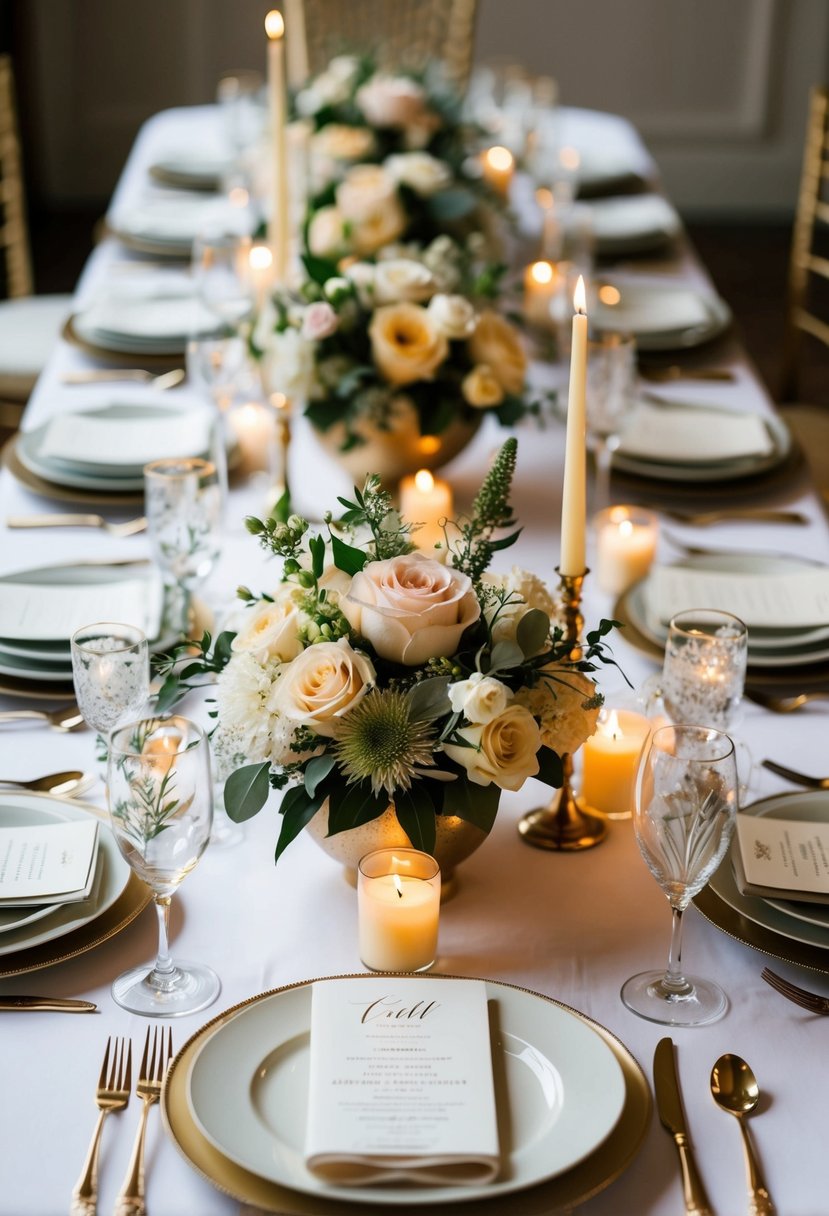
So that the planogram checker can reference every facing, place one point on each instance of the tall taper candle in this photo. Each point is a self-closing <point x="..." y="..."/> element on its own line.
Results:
<point x="574" y="499"/>
<point x="297" y="43"/>
<point x="279" y="217"/>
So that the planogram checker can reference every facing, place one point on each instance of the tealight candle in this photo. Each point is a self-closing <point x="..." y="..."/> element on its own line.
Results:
<point x="541" y="285"/>
<point x="498" y="166"/>
<point x="426" y="500"/>
<point x="610" y="758"/>
<point x="626" y="546"/>
<point x="261" y="271"/>
<point x="398" y="906"/>
<point x="253" y="429"/>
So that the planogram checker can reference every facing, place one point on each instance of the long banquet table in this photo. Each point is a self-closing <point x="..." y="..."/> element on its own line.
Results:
<point x="570" y="926"/>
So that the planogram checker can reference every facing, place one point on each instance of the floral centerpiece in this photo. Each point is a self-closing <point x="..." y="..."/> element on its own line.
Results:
<point x="389" y="158"/>
<point x="407" y="346"/>
<point x="375" y="675"/>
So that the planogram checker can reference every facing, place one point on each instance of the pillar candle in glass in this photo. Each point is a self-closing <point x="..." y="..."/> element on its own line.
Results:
<point x="610" y="758"/>
<point x="625" y="546"/>
<point x="426" y="500"/>
<point x="398" y="904"/>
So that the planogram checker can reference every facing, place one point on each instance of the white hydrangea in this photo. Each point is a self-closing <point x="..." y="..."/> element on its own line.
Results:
<point x="244" y="694"/>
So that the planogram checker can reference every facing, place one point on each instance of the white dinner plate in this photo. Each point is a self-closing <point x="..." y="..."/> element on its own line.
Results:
<point x="777" y="648"/>
<point x="811" y="805"/>
<point x="724" y="470"/>
<point x="110" y="881"/>
<point x="195" y="169"/>
<point x="633" y="223"/>
<point x="146" y="325"/>
<point x="32" y="669"/>
<point x="559" y="1089"/>
<point x="661" y="315"/>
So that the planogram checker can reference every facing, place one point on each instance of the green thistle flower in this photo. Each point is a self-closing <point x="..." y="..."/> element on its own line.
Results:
<point x="379" y="742"/>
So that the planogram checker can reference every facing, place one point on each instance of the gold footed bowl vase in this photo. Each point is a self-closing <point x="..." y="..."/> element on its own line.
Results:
<point x="456" y="840"/>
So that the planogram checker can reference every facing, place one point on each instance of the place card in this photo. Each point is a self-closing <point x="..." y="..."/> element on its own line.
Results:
<point x="794" y="600"/>
<point x="693" y="434"/>
<point x="98" y="438"/>
<point x="38" y="612"/>
<point x="782" y="858"/>
<point x="401" y="1085"/>
<point x="47" y="863"/>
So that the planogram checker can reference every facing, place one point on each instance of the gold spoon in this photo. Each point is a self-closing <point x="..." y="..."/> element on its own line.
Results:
<point x="52" y="783"/>
<point x="105" y="375"/>
<point x="734" y="1088"/>
<point x="68" y="717"/>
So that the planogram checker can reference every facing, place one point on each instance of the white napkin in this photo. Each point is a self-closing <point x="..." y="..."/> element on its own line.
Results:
<point x="178" y="218"/>
<point x="38" y="612"/>
<point x="654" y="308"/>
<point x="101" y="438"/>
<point x="772" y="601"/>
<point x="150" y="316"/>
<point x="633" y="215"/>
<point x="693" y="434"/>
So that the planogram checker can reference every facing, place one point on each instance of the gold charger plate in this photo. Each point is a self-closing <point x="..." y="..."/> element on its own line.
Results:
<point x="728" y="920"/>
<point x="119" y="357"/>
<point x="37" y="690"/>
<point x="49" y="489"/>
<point x="133" y="900"/>
<point x="560" y="1194"/>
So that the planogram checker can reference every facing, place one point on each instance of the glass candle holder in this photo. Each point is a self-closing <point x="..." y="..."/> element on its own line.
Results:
<point x="625" y="546"/>
<point x="705" y="667"/>
<point x="398" y="905"/>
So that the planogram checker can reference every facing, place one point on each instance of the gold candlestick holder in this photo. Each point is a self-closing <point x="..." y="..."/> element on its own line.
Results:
<point x="563" y="825"/>
<point x="278" y="469"/>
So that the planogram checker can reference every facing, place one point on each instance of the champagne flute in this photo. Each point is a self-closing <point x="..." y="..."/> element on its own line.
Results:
<point x="161" y="809"/>
<point x="111" y="673"/>
<point x="685" y="810"/>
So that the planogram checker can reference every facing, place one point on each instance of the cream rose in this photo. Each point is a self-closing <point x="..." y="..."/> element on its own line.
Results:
<point x="423" y="173"/>
<point x="503" y="751"/>
<point x="559" y="704"/>
<point x="496" y="343"/>
<point x="336" y="141"/>
<point x="480" y="698"/>
<point x="454" y="316"/>
<point x="406" y="344"/>
<point x="273" y="630"/>
<point x="481" y="388"/>
<point x="364" y="190"/>
<point x="411" y="608"/>
<point x="391" y="101"/>
<point x="322" y="684"/>
<point x="399" y="279"/>
<point x="361" y="276"/>
<point x="326" y="233"/>
<point x="379" y="228"/>
<point x="288" y="365"/>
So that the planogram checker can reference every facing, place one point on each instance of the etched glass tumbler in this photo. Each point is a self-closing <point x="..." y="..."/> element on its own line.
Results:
<point x="705" y="667"/>
<point x="684" y="814"/>
<point x="111" y="673"/>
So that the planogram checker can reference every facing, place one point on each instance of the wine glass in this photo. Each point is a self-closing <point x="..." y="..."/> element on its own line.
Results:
<point x="222" y="273"/>
<point x="611" y="378"/>
<point x="161" y="809"/>
<point x="684" y="814"/>
<point x="111" y="673"/>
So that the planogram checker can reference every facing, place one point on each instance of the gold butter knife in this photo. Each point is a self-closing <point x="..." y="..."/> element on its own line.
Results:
<point x="672" y="1116"/>
<point x="45" y="1004"/>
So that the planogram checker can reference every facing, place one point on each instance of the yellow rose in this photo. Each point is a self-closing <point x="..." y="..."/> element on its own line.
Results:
<point x="496" y="343"/>
<point x="503" y="751"/>
<point x="558" y="703"/>
<point x="406" y="344"/>
<point x="322" y="684"/>
<point x="481" y="388"/>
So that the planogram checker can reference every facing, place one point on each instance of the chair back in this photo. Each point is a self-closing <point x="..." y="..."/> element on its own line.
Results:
<point x="806" y="264"/>
<point x="401" y="33"/>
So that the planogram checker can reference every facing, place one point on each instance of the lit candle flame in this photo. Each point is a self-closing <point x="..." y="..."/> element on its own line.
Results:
<point x="260" y="257"/>
<point x="424" y="481"/>
<point x="626" y="528"/>
<point x="611" y="728"/>
<point x="500" y="159"/>
<point x="274" y="25"/>
<point x="580" y="296"/>
<point x="542" y="273"/>
<point x="398" y="885"/>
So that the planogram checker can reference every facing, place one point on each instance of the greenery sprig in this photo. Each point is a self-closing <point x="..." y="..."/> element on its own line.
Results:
<point x="491" y="512"/>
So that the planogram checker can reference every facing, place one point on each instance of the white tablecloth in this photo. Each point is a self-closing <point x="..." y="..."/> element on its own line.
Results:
<point x="572" y="926"/>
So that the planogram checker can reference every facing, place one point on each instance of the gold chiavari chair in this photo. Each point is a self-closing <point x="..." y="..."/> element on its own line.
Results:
<point x="29" y="324"/>
<point x="402" y="33"/>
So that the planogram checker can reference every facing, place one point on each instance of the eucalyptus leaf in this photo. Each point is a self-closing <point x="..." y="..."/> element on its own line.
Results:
<point x="476" y="804"/>
<point x="316" y="770"/>
<point x="347" y="557"/>
<point x="429" y="699"/>
<point x="297" y="811"/>
<point x="416" y="816"/>
<point x="504" y="655"/>
<point x="169" y="694"/>
<point x="246" y="791"/>
<point x="533" y="631"/>
<point x="358" y="805"/>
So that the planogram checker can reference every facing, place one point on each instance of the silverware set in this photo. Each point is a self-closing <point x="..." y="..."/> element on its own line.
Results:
<point x="113" y="1094"/>
<point x="735" y="1090"/>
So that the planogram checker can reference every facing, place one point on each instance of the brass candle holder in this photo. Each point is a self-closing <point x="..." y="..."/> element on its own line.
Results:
<point x="278" y="465"/>
<point x="563" y="825"/>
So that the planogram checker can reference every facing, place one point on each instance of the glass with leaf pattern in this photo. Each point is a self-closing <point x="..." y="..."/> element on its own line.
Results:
<point x="161" y="810"/>
<point x="685" y="810"/>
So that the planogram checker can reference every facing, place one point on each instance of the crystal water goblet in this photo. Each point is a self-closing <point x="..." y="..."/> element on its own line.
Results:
<point x="111" y="674"/>
<point x="183" y="505"/>
<point x="685" y="809"/>
<point x="161" y="811"/>
<point x="611" y="381"/>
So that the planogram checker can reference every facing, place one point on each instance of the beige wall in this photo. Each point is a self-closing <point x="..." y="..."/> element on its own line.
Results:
<point x="718" y="88"/>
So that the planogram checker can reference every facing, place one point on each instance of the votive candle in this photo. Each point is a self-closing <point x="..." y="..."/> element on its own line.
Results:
<point x="498" y="166"/>
<point x="610" y="758"/>
<point x="398" y="907"/>
<point x="427" y="500"/>
<point x="625" y="545"/>
<point x="540" y="288"/>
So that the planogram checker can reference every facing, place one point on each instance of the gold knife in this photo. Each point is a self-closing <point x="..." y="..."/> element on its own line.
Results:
<point x="47" y="1004"/>
<point x="672" y="1116"/>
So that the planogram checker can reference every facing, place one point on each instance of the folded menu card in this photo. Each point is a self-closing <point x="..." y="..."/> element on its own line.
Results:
<point x="38" y="612"/>
<point x="47" y="863"/>
<point x="693" y="434"/>
<point x="401" y="1085"/>
<point x="124" y="439"/>
<point x="782" y="858"/>
<point x="773" y="601"/>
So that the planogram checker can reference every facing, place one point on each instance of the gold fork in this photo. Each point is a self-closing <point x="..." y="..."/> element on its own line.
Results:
<point x="112" y="1093"/>
<point x="130" y="1201"/>
<point x="807" y="1000"/>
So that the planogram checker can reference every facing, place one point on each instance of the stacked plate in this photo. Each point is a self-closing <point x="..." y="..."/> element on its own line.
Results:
<point x="661" y="315"/>
<point x="611" y="157"/>
<point x="144" y="318"/>
<point x="35" y="937"/>
<point x="792" y="930"/>
<point x="193" y="169"/>
<point x="572" y="1096"/>
<point x="760" y="581"/>
<point x="40" y="609"/>
<point x="633" y="223"/>
<point x="679" y="442"/>
<point x="166" y="224"/>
